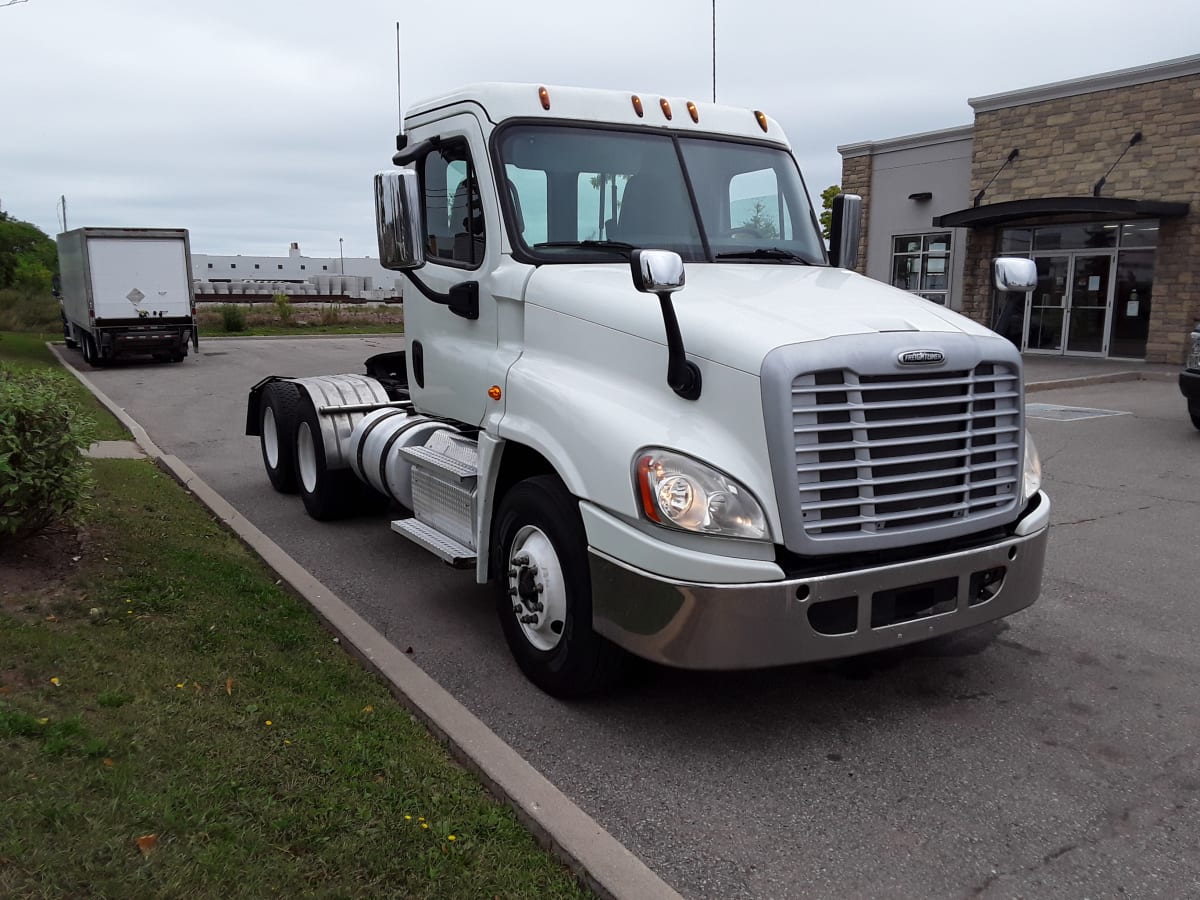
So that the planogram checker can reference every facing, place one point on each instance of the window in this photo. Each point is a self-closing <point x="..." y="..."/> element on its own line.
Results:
<point x="708" y="200"/>
<point x="302" y="266"/>
<point x="921" y="264"/>
<point x="256" y="265"/>
<point x="281" y="267"/>
<point x="210" y="265"/>
<point x="233" y="265"/>
<point x="453" y="208"/>
<point x="324" y="268"/>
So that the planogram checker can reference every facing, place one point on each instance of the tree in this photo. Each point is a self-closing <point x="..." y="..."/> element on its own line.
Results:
<point x="827" y="196"/>
<point x="761" y="221"/>
<point x="26" y="249"/>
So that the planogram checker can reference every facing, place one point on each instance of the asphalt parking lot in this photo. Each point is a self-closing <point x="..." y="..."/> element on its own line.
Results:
<point x="1051" y="755"/>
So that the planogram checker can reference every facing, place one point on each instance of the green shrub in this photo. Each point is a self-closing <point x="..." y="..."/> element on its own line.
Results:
<point x="233" y="317"/>
<point x="32" y="312"/>
<point x="283" y="306"/>
<point x="44" y="477"/>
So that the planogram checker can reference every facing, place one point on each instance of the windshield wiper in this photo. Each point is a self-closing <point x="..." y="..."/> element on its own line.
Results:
<point x="618" y="246"/>
<point x="765" y="253"/>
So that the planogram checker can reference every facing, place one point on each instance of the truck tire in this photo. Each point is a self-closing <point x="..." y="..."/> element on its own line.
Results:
<point x="91" y="353"/>
<point x="279" y="412"/>
<point x="327" y="494"/>
<point x="1194" y="412"/>
<point x="544" y="591"/>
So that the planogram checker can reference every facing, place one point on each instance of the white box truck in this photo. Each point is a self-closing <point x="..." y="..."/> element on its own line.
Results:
<point x="127" y="292"/>
<point x="829" y="467"/>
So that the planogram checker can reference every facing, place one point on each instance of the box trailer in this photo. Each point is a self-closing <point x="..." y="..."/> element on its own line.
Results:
<point x="128" y="291"/>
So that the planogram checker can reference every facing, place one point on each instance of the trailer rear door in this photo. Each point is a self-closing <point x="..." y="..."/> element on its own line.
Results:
<point x="142" y="277"/>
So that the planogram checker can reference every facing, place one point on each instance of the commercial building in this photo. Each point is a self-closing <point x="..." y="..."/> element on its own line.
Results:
<point x="298" y="275"/>
<point x="1097" y="179"/>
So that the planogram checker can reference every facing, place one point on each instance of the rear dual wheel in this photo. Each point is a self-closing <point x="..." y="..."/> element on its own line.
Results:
<point x="327" y="493"/>
<point x="279" y="413"/>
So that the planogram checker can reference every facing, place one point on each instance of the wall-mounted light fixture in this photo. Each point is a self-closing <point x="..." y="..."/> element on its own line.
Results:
<point x="921" y="196"/>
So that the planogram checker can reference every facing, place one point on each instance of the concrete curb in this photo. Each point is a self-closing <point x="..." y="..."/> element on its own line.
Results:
<point x="1034" y="387"/>
<point x="599" y="859"/>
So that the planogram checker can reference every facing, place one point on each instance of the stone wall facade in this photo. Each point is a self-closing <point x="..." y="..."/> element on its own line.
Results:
<point x="1067" y="145"/>
<point x="856" y="179"/>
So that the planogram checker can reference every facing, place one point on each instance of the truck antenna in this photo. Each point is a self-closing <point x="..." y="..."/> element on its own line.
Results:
<point x="401" y="139"/>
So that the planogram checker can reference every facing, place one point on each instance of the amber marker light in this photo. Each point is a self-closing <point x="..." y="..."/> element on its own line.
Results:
<point x="637" y="106"/>
<point x="693" y="112"/>
<point x="645" y="469"/>
<point x="762" y="119"/>
<point x="666" y="108"/>
<point x="544" y="96"/>
<point x="494" y="392"/>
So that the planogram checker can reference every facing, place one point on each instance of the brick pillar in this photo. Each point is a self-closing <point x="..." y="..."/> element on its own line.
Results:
<point x="856" y="179"/>
<point x="1175" y="302"/>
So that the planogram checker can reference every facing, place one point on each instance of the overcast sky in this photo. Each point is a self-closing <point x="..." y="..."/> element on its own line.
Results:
<point x="255" y="124"/>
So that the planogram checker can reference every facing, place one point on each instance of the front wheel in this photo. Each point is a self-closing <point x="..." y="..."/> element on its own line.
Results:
<point x="1194" y="412"/>
<point x="544" y="597"/>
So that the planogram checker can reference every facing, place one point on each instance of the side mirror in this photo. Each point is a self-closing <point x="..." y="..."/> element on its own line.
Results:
<point x="1012" y="273"/>
<point x="657" y="271"/>
<point x="661" y="272"/>
<point x="56" y="285"/>
<point x="845" y="226"/>
<point x="398" y="222"/>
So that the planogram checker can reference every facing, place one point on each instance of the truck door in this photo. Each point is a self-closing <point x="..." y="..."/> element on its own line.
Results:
<point x="450" y="356"/>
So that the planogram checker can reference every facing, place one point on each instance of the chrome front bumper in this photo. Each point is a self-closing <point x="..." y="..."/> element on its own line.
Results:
<point x="744" y="626"/>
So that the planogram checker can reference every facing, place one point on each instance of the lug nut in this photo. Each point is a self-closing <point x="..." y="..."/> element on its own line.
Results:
<point x="516" y="609"/>
<point x="541" y="588"/>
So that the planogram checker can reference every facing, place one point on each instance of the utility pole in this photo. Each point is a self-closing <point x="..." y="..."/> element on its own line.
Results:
<point x="714" y="58"/>
<point x="342" y="257"/>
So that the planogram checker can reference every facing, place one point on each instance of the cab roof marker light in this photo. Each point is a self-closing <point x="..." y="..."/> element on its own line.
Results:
<point x="666" y="108"/>
<point x="544" y="96"/>
<point x="762" y="119"/>
<point x="693" y="112"/>
<point x="637" y="106"/>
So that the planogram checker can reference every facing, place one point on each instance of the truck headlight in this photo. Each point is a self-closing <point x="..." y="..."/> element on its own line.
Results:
<point x="1031" y="480"/>
<point x="679" y="492"/>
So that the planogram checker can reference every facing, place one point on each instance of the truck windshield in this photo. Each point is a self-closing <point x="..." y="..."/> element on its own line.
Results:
<point x="592" y="194"/>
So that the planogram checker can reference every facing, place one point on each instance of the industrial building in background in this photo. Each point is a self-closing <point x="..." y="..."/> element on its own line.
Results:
<point x="1095" y="178"/>
<point x="300" y="277"/>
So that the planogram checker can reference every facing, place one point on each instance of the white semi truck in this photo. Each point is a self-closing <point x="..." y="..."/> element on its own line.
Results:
<point x="782" y="461"/>
<point x="126" y="292"/>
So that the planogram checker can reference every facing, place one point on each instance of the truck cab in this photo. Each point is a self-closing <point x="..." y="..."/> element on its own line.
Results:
<point x="683" y="429"/>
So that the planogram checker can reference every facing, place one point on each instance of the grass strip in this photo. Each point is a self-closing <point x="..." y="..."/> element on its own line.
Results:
<point x="301" y="330"/>
<point x="29" y="351"/>
<point x="172" y="723"/>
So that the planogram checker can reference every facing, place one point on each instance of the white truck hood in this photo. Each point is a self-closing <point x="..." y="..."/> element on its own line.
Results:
<point x="734" y="314"/>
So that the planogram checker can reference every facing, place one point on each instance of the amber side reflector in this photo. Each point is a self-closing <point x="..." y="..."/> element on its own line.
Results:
<point x="544" y="96"/>
<point x="637" y="106"/>
<point x="494" y="392"/>
<point x="666" y="108"/>
<point x="693" y="112"/>
<point x="762" y="119"/>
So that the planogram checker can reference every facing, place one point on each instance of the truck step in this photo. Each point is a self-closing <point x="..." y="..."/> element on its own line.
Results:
<point x="440" y="545"/>
<point x="425" y="458"/>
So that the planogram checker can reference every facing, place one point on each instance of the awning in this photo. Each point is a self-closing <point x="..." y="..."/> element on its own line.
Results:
<point x="1097" y="207"/>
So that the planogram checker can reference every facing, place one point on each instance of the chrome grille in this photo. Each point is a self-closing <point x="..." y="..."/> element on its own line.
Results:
<point x="888" y="454"/>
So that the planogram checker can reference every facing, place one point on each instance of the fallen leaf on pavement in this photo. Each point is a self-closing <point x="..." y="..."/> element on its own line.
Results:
<point x="146" y="843"/>
<point x="229" y="686"/>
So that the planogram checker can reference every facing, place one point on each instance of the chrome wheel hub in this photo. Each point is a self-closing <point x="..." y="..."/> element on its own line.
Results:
<point x="306" y="457"/>
<point x="537" y="588"/>
<point x="270" y="438"/>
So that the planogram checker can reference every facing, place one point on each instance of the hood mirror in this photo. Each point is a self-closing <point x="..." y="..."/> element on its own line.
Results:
<point x="1014" y="273"/>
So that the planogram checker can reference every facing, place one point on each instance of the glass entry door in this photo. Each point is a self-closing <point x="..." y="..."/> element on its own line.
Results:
<point x="1068" y="310"/>
<point x="1047" y="304"/>
<point x="1087" y="305"/>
